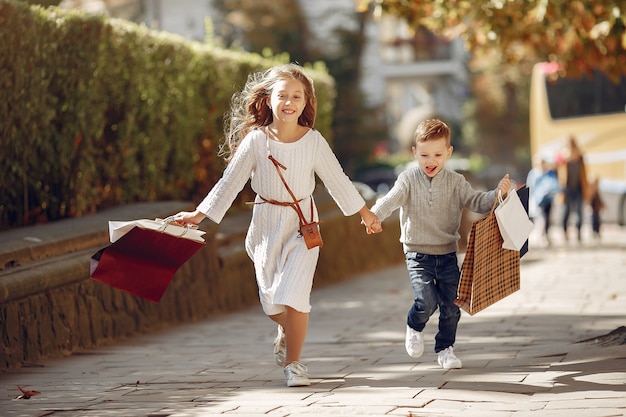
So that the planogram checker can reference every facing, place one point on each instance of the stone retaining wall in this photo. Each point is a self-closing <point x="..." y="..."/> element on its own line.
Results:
<point x="49" y="307"/>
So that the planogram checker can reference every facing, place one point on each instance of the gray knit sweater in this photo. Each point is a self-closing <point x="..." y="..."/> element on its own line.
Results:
<point x="430" y="209"/>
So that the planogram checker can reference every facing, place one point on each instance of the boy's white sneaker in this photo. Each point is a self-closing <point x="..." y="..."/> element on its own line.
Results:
<point x="448" y="360"/>
<point x="414" y="342"/>
<point x="296" y="375"/>
<point x="280" y="347"/>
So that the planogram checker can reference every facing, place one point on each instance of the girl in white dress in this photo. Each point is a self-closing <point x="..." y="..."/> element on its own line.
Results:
<point x="274" y="115"/>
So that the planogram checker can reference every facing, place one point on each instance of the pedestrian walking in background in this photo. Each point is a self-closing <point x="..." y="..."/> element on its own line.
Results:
<point x="573" y="181"/>
<point x="274" y="116"/>
<point x="431" y="199"/>
<point x="531" y="179"/>
<point x="545" y="188"/>
<point x="597" y="205"/>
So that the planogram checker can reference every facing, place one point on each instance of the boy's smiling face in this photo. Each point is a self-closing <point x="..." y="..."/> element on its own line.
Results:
<point x="432" y="155"/>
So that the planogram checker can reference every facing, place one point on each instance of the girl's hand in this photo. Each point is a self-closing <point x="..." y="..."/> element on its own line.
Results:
<point x="374" y="227"/>
<point x="188" y="217"/>
<point x="370" y="221"/>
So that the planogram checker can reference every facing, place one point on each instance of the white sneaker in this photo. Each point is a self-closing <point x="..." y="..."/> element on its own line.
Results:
<point x="448" y="360"/>
<point x="280" y="347"/>
<point x="296" y="375"/>
<point x="414" y="343"/>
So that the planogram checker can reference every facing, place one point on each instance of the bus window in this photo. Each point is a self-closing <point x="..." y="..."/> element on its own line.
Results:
<point x="586" y="96"/>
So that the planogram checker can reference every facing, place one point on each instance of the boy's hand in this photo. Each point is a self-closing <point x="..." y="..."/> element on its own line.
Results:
<point x="504" y="186"/>
<point x="374" y="227"/>
<point x="370" y="221"/>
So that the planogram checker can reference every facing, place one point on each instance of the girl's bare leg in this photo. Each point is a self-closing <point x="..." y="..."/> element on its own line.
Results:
<point x="295" y="325"/>
<point x="295" y="333"/>
<point x="280" y="318"/>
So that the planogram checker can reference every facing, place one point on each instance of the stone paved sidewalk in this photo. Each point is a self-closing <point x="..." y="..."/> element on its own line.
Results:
<point x="536" y="353"/>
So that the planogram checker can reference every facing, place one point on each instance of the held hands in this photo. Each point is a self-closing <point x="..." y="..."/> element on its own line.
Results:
<point x="370" y="221"/>
<point x="504" y="186"/>
<point x="375" y="227"/>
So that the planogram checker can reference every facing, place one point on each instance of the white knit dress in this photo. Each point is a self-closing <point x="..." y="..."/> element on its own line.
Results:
<point x="284" y="266"/>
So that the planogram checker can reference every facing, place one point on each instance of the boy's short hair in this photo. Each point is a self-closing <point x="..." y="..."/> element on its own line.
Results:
<point x="432" y="129"/>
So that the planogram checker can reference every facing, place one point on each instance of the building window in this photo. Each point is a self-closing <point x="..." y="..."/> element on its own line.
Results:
<point x="402" y="44"/>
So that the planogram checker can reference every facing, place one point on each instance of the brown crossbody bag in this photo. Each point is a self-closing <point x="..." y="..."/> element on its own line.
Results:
<point x="310" y="231"/>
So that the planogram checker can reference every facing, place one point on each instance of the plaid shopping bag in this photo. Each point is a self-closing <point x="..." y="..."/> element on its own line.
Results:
<point x="489" y="272"/>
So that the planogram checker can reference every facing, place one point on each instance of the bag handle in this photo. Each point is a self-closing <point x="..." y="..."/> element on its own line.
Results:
<point x="499" y="199"/>
<point x="168" y="222"/>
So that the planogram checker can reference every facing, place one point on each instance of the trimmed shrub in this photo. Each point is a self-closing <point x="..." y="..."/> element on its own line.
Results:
<point x="99" y="112"/>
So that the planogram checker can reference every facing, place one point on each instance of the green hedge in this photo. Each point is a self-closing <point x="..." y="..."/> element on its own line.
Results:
<point x="98" y="112"/>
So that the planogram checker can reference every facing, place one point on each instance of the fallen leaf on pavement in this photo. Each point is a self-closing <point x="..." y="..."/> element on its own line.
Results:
<point x="26" y="393"/>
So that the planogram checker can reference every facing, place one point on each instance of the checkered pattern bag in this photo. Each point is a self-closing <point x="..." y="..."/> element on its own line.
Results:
<point x="489" y="272"/>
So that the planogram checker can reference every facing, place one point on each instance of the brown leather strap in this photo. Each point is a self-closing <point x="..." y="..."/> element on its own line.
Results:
<point x="296" y="203"/>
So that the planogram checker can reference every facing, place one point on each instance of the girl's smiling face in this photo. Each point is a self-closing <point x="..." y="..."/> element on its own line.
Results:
<point x="287" y="100"/>
<point x="432" y="155"/>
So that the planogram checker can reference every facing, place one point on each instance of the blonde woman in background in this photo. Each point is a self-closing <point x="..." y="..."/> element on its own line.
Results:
<point x="572" y="177"/>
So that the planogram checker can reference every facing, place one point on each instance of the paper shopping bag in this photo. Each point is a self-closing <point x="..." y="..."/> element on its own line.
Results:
<point x="117" y="229"/>
<point x="143" y="261"/>
<point x="513" y="221"/>
<point x="524" y="193"/>
<point x="489" y="272"/>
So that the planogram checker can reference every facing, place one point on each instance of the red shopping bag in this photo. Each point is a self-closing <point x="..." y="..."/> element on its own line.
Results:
<point x="143" y="261"/>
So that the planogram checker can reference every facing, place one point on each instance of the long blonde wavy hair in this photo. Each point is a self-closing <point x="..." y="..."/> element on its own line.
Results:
<point x="249" y="107"/>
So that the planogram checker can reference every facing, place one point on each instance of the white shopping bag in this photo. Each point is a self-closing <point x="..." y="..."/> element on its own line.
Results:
<point x="117" y="229"/>
<point x="513" y="221"/>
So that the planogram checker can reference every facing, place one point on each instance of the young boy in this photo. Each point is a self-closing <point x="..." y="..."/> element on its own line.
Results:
<point x="431" y="199"/>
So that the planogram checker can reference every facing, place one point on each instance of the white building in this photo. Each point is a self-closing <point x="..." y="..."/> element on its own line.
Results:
<point x="423" y="75"/>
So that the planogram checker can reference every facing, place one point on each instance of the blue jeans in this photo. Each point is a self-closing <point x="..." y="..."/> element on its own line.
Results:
<point x="435" y="281"/>
<point x="573" y="201"/>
